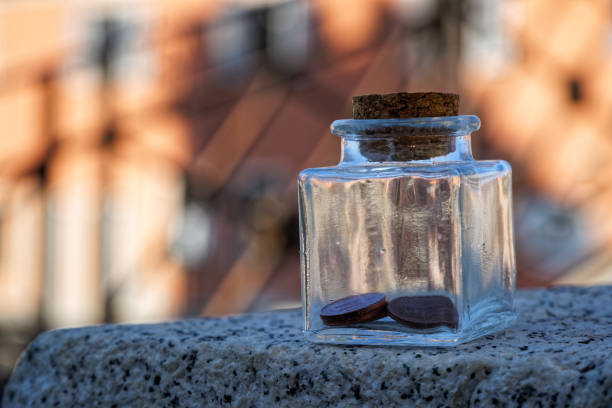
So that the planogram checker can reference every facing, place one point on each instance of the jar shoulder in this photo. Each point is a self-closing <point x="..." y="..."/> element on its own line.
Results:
<point x="471" y="168"/>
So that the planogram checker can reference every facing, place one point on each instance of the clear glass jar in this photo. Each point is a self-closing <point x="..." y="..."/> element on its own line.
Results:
<point x="407" y="212"/>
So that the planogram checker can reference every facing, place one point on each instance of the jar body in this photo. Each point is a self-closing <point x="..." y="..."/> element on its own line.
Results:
<point x="412" y="228"/>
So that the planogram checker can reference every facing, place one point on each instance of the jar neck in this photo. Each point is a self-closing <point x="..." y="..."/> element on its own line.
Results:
<point x="452" y="148"/>
<point x="427" y="139"/>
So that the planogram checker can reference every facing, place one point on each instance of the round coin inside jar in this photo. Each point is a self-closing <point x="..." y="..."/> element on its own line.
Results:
<point x="423" y="312"/>
<point x="362" y="308"/>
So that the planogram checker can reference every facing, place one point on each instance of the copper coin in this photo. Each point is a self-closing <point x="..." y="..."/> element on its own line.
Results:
<point x="354" y="309"/>
<point x="423" y="312"/>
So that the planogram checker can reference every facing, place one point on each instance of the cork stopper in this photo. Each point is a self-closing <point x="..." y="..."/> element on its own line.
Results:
<point x="412" y="144"/>
<point x="405" y="105"/>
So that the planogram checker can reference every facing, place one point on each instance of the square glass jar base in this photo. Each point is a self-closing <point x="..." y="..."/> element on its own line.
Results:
<point x="387" y="332"/>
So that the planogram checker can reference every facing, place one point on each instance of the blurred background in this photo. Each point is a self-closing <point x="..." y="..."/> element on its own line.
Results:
<point x="149" y="149"/>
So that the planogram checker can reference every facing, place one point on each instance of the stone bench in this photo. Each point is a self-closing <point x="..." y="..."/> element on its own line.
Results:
<point x="558" y="354"/>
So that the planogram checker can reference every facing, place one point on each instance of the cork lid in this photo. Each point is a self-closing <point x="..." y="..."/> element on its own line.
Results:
<point x="411" y="144"/>
<point x="405" y="105"/>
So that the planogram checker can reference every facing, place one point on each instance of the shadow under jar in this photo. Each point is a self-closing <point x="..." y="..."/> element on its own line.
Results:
<point x="407" y="214"/>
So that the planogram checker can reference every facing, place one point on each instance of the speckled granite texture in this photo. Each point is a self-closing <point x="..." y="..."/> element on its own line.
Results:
<point x="558" y="354"/>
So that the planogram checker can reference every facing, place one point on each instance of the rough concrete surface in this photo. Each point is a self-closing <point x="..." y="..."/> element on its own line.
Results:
<point x="558" y="354"/>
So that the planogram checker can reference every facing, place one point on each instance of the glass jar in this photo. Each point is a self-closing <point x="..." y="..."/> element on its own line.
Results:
<point x="408" y="240"/>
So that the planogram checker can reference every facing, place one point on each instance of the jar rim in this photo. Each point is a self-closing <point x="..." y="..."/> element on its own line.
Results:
<point x="451" y="126"/>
